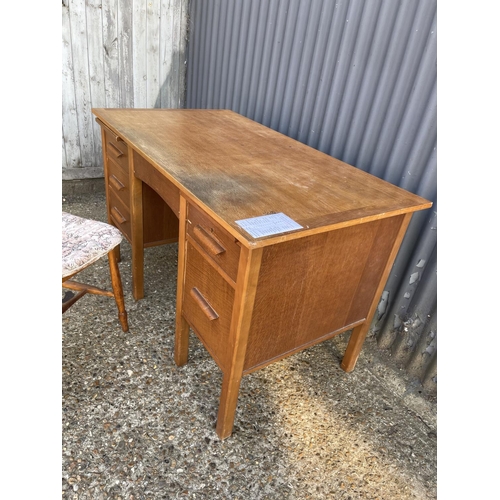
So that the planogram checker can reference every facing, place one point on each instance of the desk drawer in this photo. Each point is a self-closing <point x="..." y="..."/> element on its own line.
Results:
<point x="118" y="170"/>
<point x="116" y="149"/>
<point x="120" y="214"/>
<point x="118" y="183"/>
<point x="219" y="245"/>
<point x="208" y="304"/>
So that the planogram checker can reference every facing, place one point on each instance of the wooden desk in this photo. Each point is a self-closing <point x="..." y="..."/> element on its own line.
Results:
<point x="188" y="175"/>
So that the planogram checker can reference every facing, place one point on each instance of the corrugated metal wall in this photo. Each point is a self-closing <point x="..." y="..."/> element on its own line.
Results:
<point x="357" y="80"/>
<point x="127" y="53"/>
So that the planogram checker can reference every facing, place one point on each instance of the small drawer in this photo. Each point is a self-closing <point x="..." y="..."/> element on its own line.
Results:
<point x="207" y="304"/>
<point x="118" y="181"/>
<point x="112" y="137"/>
<point x="120" y="170"/>
<point x="116" y="149"/>
<point x="218" y="244"/>
<point x="118" y="189"/>
<point x="120" y="214"/>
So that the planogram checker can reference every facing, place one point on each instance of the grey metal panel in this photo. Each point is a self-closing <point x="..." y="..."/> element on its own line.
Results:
<point x="357" y="80"/>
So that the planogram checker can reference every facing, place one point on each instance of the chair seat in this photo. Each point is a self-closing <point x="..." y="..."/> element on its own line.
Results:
<point x="85" y="241"/>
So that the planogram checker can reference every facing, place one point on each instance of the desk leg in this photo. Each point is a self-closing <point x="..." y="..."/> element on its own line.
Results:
<point x="246" y="286"/>
<point x="353" y="350"/>
<point x="359" y="333"/>
<point x="138" y="271"/>
<point x="228" y="402"/>
<point x="136" y="217"/>
<point x="181" y="325"/>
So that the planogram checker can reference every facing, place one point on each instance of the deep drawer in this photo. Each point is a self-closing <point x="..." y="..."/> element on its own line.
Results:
<point x="219" y="245"/>
<point x="207" y="304"/>
<point x="120" y="214"/>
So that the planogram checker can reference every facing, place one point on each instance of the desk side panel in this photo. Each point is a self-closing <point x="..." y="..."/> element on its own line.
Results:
<point x="373" y="272"/>
<point x="316" y="286"/>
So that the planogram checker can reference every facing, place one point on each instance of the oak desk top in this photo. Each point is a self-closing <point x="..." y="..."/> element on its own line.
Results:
<point x="239" y="169"/>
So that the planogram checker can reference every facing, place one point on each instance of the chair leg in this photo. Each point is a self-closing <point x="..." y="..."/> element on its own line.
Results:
<point x="70" y="299"/>
<point x="117" y="252"/>
<point x="116" y="282"/>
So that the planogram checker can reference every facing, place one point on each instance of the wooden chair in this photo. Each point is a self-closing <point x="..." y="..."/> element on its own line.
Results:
<point x="84" y="242"/>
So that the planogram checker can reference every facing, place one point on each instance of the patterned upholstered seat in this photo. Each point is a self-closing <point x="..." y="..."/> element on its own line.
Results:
<point x="85" y="241"/>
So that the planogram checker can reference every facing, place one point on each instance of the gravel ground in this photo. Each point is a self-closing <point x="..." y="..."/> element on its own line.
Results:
<point x="136" y="426"/>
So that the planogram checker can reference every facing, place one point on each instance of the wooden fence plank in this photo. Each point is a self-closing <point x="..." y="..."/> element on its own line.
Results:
<point x="71" y="141"/>
<point x="110" y="47"/>
<point x="153" y="53"/>
<point x="125" y="54"/>
<point x="81" y="75"/>
<point x="139" y="47"/>
<point x="96" y="70"/>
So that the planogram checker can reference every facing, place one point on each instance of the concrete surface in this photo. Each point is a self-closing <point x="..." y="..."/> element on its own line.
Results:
<point x="136" y="426"/>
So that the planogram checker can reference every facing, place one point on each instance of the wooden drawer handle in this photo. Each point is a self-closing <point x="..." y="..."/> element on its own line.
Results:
<point x="116" y="183"/>
<point x="117" y="215"/>
<point x="202" y="302"/>
<point x="210" y="243"/>
<point x="118" y="152"/>
<point x="117" y="138"/>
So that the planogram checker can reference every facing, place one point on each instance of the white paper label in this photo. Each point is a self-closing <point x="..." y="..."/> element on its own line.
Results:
<point x="266" y="225"/>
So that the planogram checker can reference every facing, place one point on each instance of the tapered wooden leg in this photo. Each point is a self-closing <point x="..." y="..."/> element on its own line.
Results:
<point x="353" y="350"/>
<point x="248" y="275"/>
<point x="181" y="341"/>
<point x="228" y="402"/>
<point x="116" y="283"/>
<point x="181" y="325"/>
<point x="138" y="272"/>
<point x="137" y="229"/>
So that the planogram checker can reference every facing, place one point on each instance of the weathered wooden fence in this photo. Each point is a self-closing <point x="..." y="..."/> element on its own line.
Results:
<point x="116" y="53"/>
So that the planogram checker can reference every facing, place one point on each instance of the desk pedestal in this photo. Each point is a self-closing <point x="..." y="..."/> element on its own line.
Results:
<point x="284" y="298"/>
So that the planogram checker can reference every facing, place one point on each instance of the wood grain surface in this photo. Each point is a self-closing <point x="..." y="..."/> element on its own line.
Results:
<point x="236" y="168"/>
